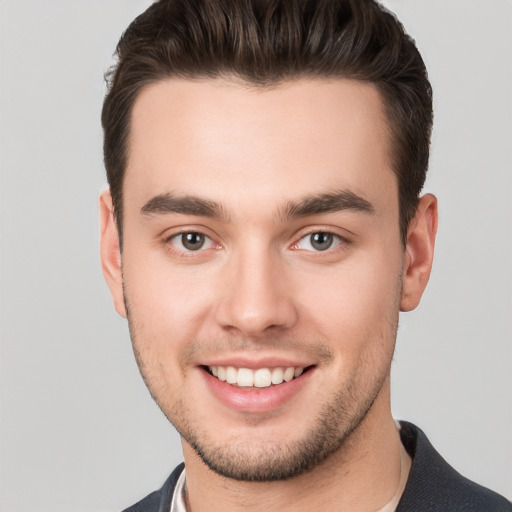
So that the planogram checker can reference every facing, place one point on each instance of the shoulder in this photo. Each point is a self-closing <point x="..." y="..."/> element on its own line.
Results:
<point x="433" y="485"/>
<point x="158" y="500"/>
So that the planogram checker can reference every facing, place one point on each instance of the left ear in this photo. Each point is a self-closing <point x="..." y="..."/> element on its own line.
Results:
<point x="419" y="252"/>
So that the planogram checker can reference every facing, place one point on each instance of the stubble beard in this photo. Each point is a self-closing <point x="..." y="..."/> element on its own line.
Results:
<point x="243" y="460"/>
<point x="337" y="420"/>
<point x="255" y="462"/>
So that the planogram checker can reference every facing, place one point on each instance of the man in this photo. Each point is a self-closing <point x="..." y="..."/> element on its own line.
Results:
<point x="263" y="229"/>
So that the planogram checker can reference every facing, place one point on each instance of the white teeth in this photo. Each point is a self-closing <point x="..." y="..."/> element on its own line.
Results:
<point x="245" y="378"/>
<point x="260" y="378"/>
<point x="277" y="376"/>
<point x="288" y="374"/>
<point x="231" y="375"/>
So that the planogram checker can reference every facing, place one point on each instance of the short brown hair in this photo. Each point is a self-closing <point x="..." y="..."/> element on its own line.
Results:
<point x="265" y="42"/>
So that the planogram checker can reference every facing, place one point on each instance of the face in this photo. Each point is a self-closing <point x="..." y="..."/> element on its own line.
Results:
<point x="262" y="266"/>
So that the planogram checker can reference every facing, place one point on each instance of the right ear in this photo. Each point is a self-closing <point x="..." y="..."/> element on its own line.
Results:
<point x="110" y="251"/>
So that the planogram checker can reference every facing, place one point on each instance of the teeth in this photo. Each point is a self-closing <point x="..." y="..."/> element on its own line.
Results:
<point x="245" y="378"/>
<point x="221" y="373"/>
<point x="231" y="375"/>
<point x="260" y="378"/>
<point x="277" y="376"/>
<point x="288" y="374"/>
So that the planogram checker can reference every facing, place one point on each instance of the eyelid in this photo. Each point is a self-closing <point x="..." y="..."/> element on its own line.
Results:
<point x="169" y="237"/>
<point x="342" y="240"/>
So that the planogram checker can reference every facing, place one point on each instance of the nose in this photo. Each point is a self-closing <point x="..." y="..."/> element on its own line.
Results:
<point x="256" y="296"/>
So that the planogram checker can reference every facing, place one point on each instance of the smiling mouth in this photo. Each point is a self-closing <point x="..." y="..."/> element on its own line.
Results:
<point x="258" y="378"/>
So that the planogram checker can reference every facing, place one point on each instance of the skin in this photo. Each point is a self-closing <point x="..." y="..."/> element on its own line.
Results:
<point x="259" y="289"/>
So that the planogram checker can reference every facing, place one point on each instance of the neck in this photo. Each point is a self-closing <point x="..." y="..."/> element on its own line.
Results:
<point x="364" y="475"/>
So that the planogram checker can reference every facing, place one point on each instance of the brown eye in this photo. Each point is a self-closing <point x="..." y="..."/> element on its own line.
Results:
<point x="321" y="241"/>
<point x="192" y="241"/>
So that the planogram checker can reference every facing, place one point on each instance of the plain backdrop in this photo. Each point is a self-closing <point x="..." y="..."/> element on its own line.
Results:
<point x="78" y="429"/>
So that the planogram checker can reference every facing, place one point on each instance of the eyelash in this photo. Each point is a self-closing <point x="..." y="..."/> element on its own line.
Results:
<point x="339" y="241"/>
<point x="184" y="252"/>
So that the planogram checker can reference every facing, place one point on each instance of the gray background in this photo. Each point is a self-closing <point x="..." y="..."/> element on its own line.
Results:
<point x="78" y="429"/>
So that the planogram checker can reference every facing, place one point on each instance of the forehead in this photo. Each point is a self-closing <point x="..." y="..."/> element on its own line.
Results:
<point x="227" y="141"/>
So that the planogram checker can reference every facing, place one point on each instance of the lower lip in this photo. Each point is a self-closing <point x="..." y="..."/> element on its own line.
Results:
<point x="255" y="400"/>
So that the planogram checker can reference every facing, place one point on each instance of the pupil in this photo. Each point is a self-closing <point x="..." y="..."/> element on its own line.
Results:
<point x="321" y="241"/>
<point x="192" y="241"/>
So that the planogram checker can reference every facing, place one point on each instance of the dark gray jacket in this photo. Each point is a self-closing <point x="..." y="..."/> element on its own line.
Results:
<point x="433" y="485"/>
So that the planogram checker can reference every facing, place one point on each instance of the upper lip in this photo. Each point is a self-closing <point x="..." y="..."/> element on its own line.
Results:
<point x="255" y="363"/>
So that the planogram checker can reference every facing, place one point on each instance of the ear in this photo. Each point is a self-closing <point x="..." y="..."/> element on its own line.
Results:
<point x="419" y="252"/>
<point x="111" y="252"/>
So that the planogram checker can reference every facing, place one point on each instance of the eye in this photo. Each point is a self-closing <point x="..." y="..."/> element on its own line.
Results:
<point x="191" y="241"/>
<point x="318" y="241"/>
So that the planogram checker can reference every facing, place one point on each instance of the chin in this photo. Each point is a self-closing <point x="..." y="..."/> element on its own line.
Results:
<point x="268" y="456"/>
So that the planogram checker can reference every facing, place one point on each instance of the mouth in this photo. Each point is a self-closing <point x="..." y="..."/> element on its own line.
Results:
<point x="256" y="388"/>
<point x="256" y="378"/>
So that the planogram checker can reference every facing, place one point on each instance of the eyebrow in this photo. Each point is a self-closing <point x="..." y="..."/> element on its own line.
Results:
<point x="316" y="204"/>
<point x="187" y="205"/>
<point x="329" y="202"/>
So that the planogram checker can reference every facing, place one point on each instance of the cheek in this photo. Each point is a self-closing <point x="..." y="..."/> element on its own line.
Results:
<point x="167" y="308"/>
<point x="357" y="303"/>
<point x="161" y="292"/>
